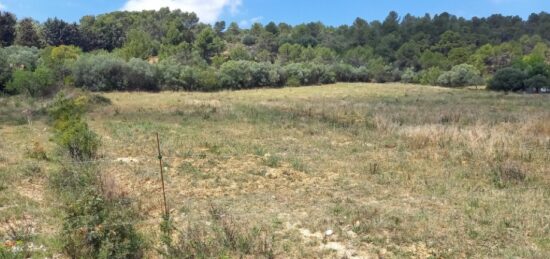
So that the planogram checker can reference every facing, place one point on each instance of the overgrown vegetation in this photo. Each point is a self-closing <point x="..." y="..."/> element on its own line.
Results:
<point x="156" y="50"/>
<point x="98" y="220"/>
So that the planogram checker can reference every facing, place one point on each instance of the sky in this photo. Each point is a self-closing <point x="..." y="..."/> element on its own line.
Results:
<point x="246" y="12"/>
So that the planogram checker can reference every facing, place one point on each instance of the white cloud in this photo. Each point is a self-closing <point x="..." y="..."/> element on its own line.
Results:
<point x="208" y="10"/>
<point x="249" y="22"/>
<point x="2" y="7"/>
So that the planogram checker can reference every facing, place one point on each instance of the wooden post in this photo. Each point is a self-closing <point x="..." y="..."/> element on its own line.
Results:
<point x="166" y="212"/>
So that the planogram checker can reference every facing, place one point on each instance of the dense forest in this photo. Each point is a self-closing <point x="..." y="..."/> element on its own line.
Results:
<point x="173" y="50"/>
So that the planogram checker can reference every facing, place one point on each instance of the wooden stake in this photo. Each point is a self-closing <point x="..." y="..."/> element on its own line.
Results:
<point x="166" y="212"/>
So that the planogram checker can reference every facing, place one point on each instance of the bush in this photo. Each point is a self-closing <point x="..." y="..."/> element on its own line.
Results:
<point x="208" y="79"/>
<point x="508" y="79"/>
<point x="309" y="74"/>
<point x="38" y="83"/>
<point x="537" y="82"/>
<point x="71" y="132"/>
<point x="141" y="75"/>
<point x="429" y="76"/>
<point x="461" y="75"/>
<point x="100" y="73"/>
<point x="409" y="76"/>
<point x="22" y="57"/>
<point x="381" y="72"/>
<point x="99" y="228"/>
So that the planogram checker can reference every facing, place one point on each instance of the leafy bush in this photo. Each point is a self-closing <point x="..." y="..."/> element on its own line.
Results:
<point x="141" y="75"/>
<point x="309" y="74"/>
<point x="99" y="228"/>
<point x="71" y="132"/>
<point x="22" y="57"/>
<point x="537" y="82"/>
<point x="60" y="59"/>
<point x="97" y="223"/>
<point x="508" y="79"/>
<point x="100" y="73"/>
<point x="409" y="76"/>
<point x="429" y="76"/>
<point x="38" y="83"/>
<point x="382" y="72"/>
<point x="461" y="75"/>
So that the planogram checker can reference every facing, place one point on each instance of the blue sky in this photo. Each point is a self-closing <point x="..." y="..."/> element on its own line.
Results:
<point x="245" y="12"/>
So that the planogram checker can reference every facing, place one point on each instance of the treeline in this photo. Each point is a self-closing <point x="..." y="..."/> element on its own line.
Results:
<point x="156" y="50"/>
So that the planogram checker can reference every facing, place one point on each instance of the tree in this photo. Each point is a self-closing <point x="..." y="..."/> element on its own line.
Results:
<point x="360" y="31"/>
<point x="537" y="82"/>
<point x="289" y="53"/>
<point x="27" y="34"/>
<point x="7" y="28"/>
<point x="219" y="27"/>
<point x="60" y="59"/>
<point x="139" y="44"/>
<point x="208" y="44"/>
<point x="58" y="32"/>
<point x="358" y="56"/>
<point x="508" y="79"/>
<point x="391" y="23"/>
<point x="408" y="55"/>
<point x="449" y="40"/>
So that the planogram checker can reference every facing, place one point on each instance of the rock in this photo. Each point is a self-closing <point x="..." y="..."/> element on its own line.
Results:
<point x="127" y="160"/>
<point x="329" y="232"/>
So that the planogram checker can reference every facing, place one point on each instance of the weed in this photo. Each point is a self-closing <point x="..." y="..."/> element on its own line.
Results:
<point x="507" y="173"/>
<point x="272" y="161"/>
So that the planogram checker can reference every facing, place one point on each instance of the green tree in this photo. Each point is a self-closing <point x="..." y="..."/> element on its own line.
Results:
<point x="208" y="44"/>
<point x="139" y="44"/>
<point x="60" y="59"/>
<point x="359" y="56"/>
<point x="508" y="79"/>
<point x="7" y="28"/>
<point x="27" y="34"/>
<point x="58" y="32"/>
<point x="408" y="55"/>
<point x="239" y="52"/>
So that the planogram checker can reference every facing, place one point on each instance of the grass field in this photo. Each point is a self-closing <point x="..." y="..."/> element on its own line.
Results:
<point x="391" y="170"/>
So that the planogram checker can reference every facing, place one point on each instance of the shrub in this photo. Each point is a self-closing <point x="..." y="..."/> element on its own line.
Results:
<point x="381" y="72"/>
<point x="78" y="140"/>
<point x="537" y="82"/>
<point x="409" y="76"/>
<point x="38" y="83"/>
<point x="429" y="76"/>
<point x="141" y="75"/>
<point x="460" y="75"/>
<point x="98" y="228"/>
<point x="100" y="73"/>
<point x="208" y="79"/>
<point x="71" y="132"/>
<point x="237" y="74"/>
<point x="95" y="224"/>
<point x="309" y="74"/>
<point x="5" y="70"/>
<point x="508" y="79"/>
<point x="22" y="57"/>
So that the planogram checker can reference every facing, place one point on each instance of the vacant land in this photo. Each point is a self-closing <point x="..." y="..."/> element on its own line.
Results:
<point x="356" y="170"/>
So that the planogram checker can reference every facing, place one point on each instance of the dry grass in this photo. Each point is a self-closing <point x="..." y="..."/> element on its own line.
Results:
<point x="393" y="170"/>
